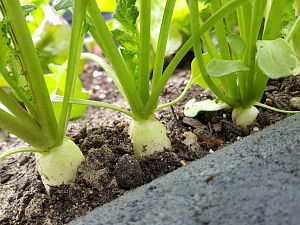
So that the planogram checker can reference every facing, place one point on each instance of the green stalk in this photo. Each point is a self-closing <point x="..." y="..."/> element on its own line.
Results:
<point x="19" y="93"/>
<point x="31" y="63"/>
<point x="77" y="37"/>
<point x="271" y="31"/>
<point x="244" y="23"/>
<point x="144" y="53"/>
<point x="196" y="36"/>
<point x="24" y="130"/>
<point x="294" y="29"/>
<point x="15" y="108"/>
<point x="156" y="91"/>
<point x="189" y="84"/>
<point x="275" y="109"/>
<point x="208" y="43"/>
<point x="113" y="55"/>
<point x="273" y="22"/>
<point x="12" y="152"/>
<point x="77" y="101"/>
<point x="249" y="57"/>
<point x="230" y="85"/>
<point x="162" y="42"/>
<point x="220" y="31"/>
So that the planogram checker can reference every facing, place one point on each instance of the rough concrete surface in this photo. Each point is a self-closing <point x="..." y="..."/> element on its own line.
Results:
<point x="253" y="181"/>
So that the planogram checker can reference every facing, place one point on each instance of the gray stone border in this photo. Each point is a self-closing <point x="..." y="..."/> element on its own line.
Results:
<point x="253" y="181"/>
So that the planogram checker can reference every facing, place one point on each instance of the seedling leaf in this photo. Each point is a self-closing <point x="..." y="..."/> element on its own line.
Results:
<point x="237" y="44"/>
<point x="276" y="58"/>
<point x="221" y="67"/>
<point x="196" y="75"/>
<point x="192" y="108"/>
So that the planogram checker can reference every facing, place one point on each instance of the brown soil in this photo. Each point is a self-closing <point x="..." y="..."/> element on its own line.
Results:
<point x="110" y="169"/>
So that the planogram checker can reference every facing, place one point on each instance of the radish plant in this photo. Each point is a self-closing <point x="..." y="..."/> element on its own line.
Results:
<point x="246" y="56"/>
<point x="26" y="109"/>
<point x="130" y="65"/>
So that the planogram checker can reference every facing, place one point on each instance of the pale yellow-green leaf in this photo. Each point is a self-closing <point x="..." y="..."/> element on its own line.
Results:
<point x="107" y="5"/>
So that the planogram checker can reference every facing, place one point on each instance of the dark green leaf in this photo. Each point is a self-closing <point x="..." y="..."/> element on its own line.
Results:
<point x="125" y="39"/>
<point x="63" y="4"/>
<point x="221" y="67"/>
<point x="276" y="58"/>
<point x="127" y="13"/>
<point x="131" y="60"/>
<point x="27" y="9"/>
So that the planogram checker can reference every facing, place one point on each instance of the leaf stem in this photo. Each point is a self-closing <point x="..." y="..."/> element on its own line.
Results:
<point x="294" y="29"/>
<point x="34" y="73"/>
<point x="15" y="108"/>
<point x="162" y="42"/>
<point x="196" y="36"/>
<point x="144" y="50"/>
<point x="275" y="109"/>
<point x="257" y="13"/>
<point x="78" y="101"/>
<point x="156" y="90"/>
<point x="25" y="130"/>
<point x="105" y="39"/>
<point x="181" y="96"/>
<point x="77" y="37"/>
<point x="12" y="152"/>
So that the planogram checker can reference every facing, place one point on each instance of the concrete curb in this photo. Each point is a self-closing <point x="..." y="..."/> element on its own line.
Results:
<point x="253" y="181"/>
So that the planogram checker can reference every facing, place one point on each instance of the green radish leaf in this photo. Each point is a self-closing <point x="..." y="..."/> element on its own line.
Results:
<point x="276" y="58"/>
<point x="63" y="4"/>
<point x="126" y="33"/>
<point x="196" y="75"/>
<point x="27" y="9"/>
<point x="192" y="108"/>
<point x="125" y="40"/>
<point x="220" y="67"/>
<point x="237" y="44"/>
<point x="127" y="13"/>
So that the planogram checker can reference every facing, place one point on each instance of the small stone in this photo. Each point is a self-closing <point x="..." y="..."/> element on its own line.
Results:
<point x="295" y="102"/>
<point x="255" y="129"/>
<point x="23" y="182"/>
<point x="182" y="162"/>
<point x="191" y="140"/>
<point x="269" y="101"/>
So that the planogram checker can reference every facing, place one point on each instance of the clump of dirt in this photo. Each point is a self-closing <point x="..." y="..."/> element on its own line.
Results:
<point x="109" y="168"/>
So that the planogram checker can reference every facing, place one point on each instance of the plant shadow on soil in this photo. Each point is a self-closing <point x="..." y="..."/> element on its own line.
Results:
<point x="110" y="169"/>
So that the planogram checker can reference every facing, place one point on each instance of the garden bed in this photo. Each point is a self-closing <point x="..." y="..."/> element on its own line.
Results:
<point x="110" y="170"/>
<point x="254" y="181"/>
